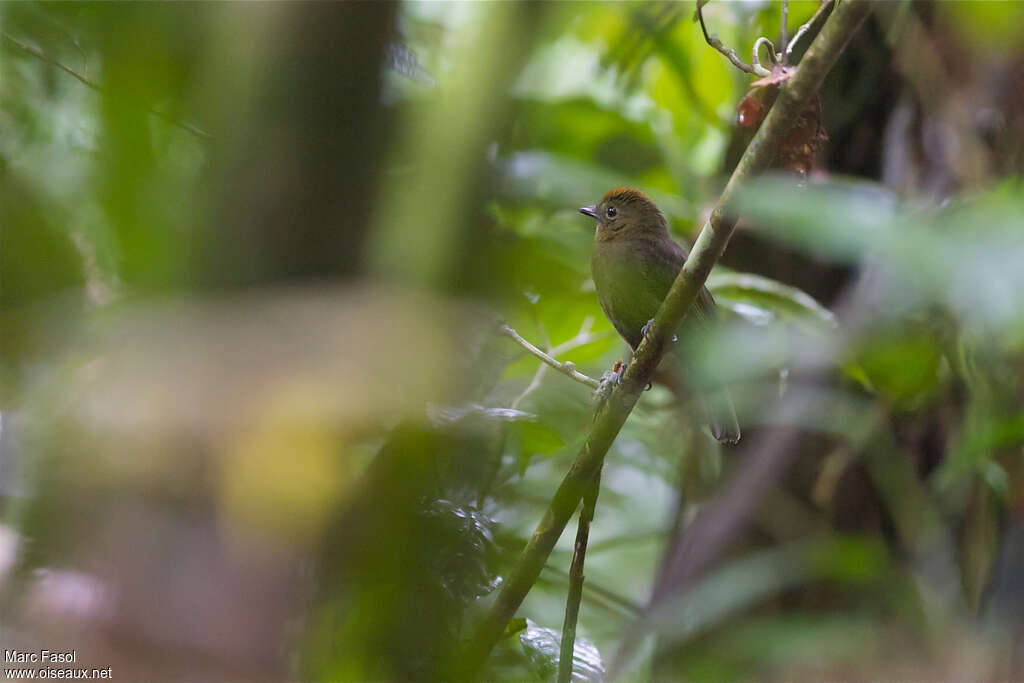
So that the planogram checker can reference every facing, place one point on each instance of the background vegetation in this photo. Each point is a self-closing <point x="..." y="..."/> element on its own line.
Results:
<point x="258" y="418"/>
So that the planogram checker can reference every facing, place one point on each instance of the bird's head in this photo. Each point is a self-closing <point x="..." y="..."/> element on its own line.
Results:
<point x="626" y="213"/>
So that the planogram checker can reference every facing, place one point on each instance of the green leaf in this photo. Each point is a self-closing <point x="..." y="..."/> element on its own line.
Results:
<point x="561" y="181"/>
<point x="902" y="365"/>
<point x="534" y="438"/>
<point x="538" y="438"/>
<point x="514" y="627"/>
<point x="761" y="299"/>
<point x="580" y="128"/>
<point x="757" y="576"/>
<point x="542" y="646"/>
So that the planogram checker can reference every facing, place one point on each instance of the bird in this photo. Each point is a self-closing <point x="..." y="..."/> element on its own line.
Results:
<point x="634" y="263"/>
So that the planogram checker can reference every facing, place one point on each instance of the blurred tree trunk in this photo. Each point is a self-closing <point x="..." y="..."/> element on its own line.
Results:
<point x="299" y="178"/>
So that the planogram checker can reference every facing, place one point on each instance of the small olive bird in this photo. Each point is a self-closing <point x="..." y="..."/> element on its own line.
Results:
<point x="634" y="263"/>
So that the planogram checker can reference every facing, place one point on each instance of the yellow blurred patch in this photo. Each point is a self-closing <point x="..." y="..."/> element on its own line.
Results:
<point x="286" y="470"/>
<point x="985" y="25"/>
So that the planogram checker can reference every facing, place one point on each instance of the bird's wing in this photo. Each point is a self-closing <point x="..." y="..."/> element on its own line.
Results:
<point x="671" y="260"/>
<point x="714" y="396"/>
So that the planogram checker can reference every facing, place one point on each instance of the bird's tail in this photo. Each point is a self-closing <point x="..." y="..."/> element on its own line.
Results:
<point x="721" y="415"/>
<point x="714" y="400"/>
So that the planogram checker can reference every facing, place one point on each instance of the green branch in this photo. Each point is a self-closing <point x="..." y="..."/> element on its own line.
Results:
<point x="708" y="248"/>
<point x="567" y="368"/>
<point x="572" y="602"/>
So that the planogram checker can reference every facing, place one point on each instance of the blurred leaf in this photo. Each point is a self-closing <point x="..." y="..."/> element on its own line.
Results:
<point x="514" y="627"/>
<point x="442" y="416"/>
<point x="446" y="140"/>
<point x="537" y="438"/>
<point x="902" y="366"/>
<point x="743" y="583"/>
<point x="793" y="646"/>
<point x="571" y="184"/>
<point x="858" y="375"/>
<point x="581" y="129"/>
<point x="979" y="541"/>
<point x="771" y="297"/>
<point x="969" y="264"/>
<point x="987" y="26"/>
<point x="462" y="543"/>
<point x="40" y="261"/>
<point x="542" y="647"/>
<point x="533" y="438"/>
<point x="404" y="61"/>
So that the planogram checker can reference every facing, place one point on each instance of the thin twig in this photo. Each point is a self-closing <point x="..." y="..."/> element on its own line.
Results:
<point x="599" y="595"/>
<point x="531" y="387"/>
<point x="788" y="50"/>
<point x="38" y="54"/>
<point x="714" y="42"/>
<point x="772" y="57"/>
<point x="708" y="248"/>
<point x="567" y="368"/>
<point x="572" y="601"/>
<point x="783" y="31"/>
<point x="582" y="338"/>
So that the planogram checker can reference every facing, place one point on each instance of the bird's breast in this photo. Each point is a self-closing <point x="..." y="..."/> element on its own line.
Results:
<point x="630" y="284"/>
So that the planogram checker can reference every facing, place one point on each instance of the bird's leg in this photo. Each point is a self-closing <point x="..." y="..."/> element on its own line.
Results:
<point x="643" y="331"/>
<point x="618" y="370"/>
<point x="647" y="326"/>
<point x="609" y="380"/>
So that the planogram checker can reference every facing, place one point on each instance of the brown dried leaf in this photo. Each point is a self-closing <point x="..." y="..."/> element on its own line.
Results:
<point x="754" y="106"/>
<point x="751" y="110"/>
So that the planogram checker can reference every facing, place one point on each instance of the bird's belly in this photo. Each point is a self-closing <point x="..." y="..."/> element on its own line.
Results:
<point x="628" y="316"/>
<point x="625" y="293"/>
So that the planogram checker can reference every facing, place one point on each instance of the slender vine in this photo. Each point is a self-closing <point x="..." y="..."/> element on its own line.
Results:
<point x="572" y="602"/>
<point x="708" y="248"/>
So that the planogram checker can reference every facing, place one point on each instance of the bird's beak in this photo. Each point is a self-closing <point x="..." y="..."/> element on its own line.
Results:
<point x="588" y="211"/>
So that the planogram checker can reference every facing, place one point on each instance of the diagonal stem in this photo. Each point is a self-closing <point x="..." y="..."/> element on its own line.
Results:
<point x="708" y="248"/>
<point x="572" y="602"/>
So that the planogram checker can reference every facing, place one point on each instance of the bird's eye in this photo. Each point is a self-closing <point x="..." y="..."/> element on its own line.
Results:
<point x="611" y="212"/>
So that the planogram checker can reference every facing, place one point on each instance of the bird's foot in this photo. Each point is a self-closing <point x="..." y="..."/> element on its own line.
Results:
<point x="609" y="380"/>
<point x="647" y="328"/>
<point x="618" y="370"/>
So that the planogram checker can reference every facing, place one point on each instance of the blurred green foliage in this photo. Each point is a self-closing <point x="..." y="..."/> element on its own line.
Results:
<point x="252" y="260"/>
